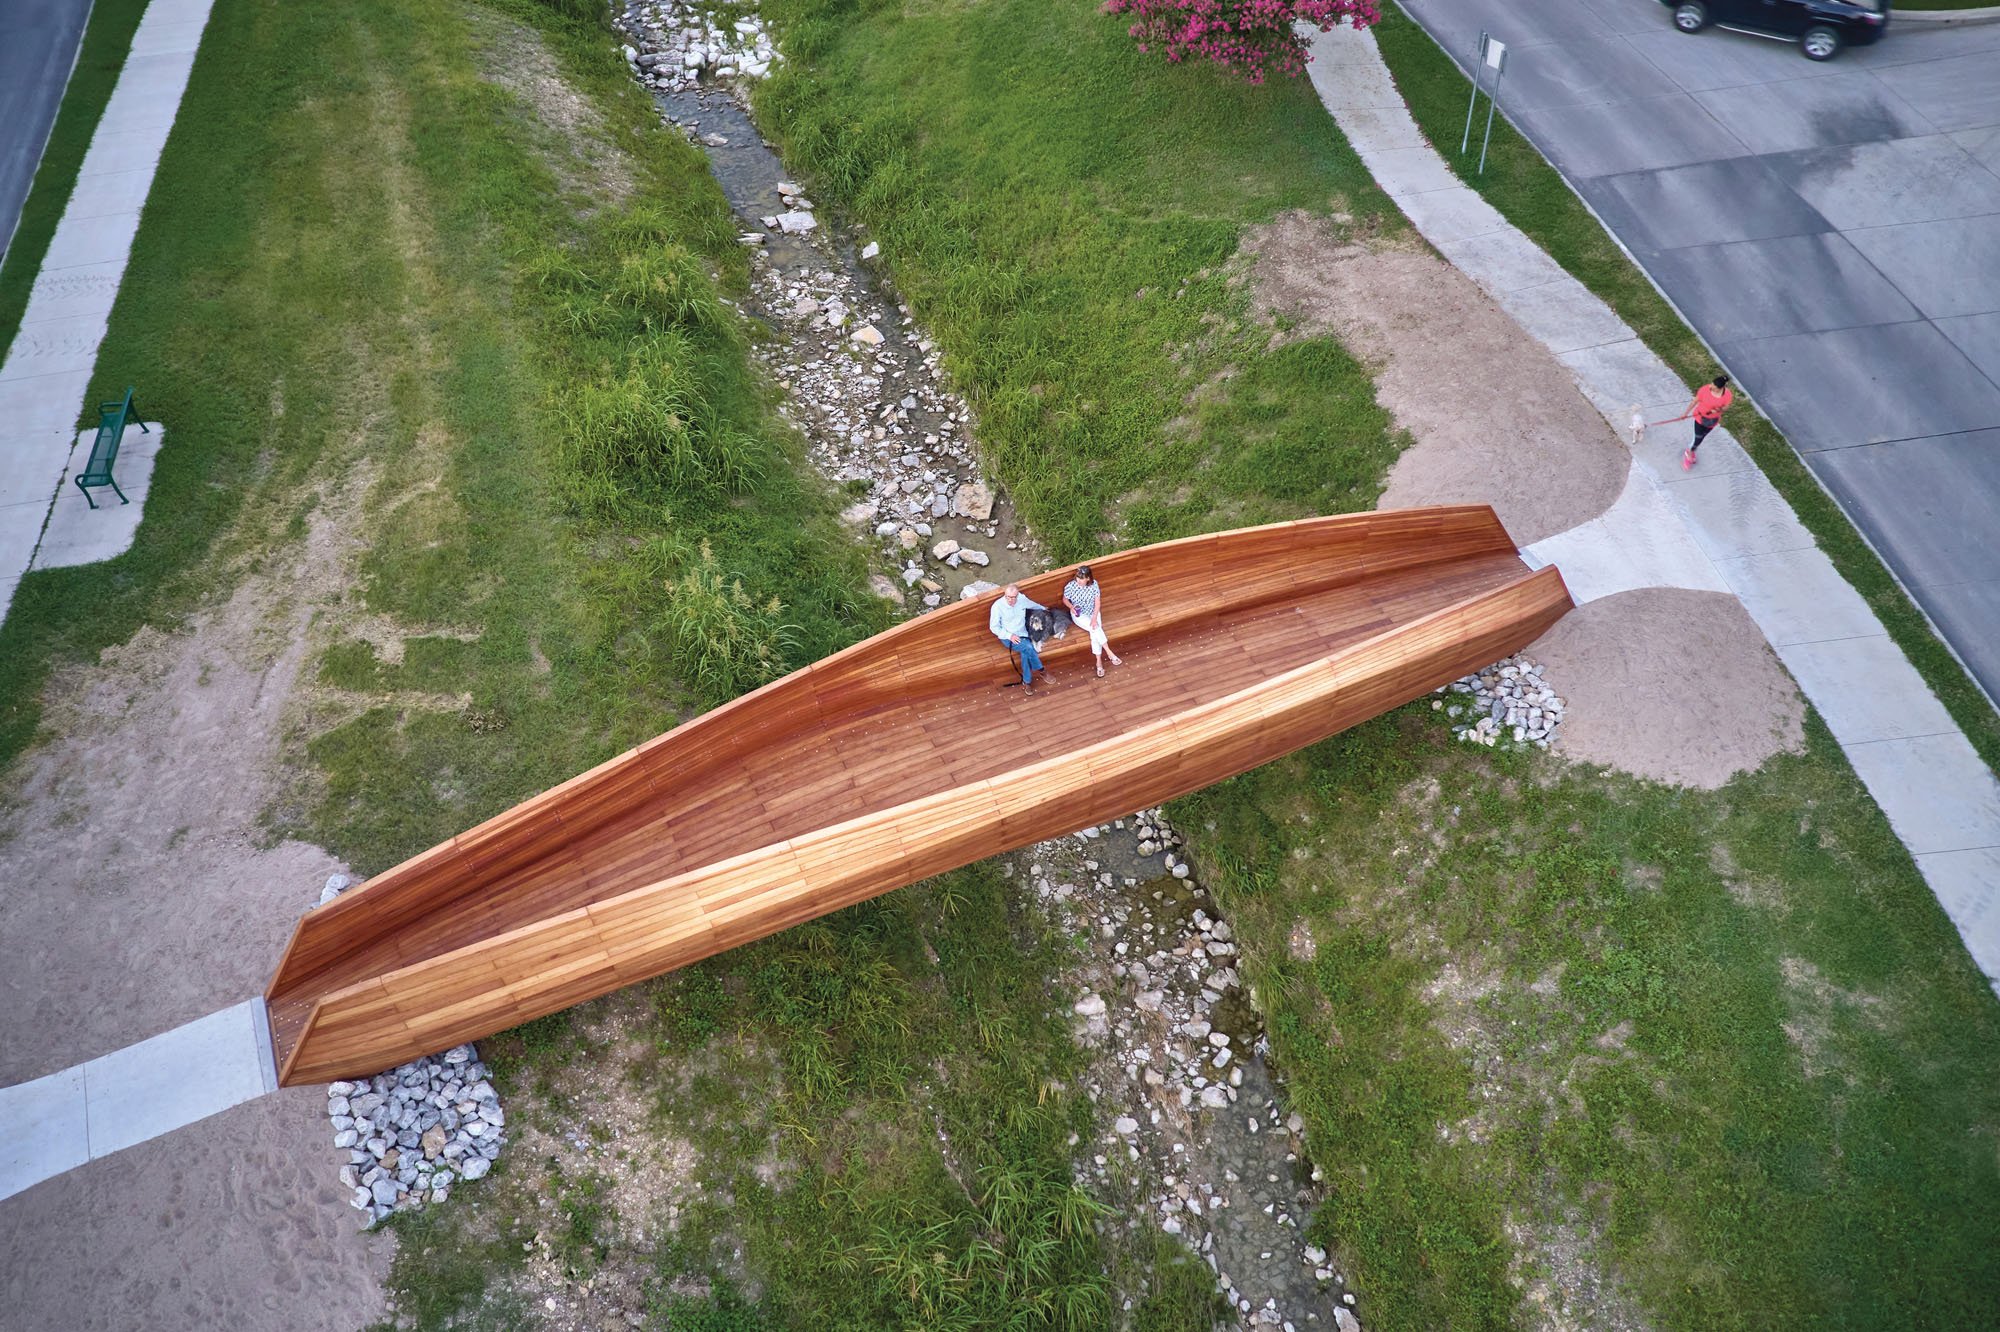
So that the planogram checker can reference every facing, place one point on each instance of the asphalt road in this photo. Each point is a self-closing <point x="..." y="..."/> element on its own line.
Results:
<point x="38" y="41"/>
<point x="1832" y="230"/>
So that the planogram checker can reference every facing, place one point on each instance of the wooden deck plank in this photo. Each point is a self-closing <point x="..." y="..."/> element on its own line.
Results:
<point x="897" y="759"/>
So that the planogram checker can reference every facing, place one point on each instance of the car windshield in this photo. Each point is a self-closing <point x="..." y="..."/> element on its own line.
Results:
<point x="1872" y="6"/>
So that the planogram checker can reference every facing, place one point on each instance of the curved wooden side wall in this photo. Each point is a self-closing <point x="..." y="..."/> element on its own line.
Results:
<point x="879" y="766"/>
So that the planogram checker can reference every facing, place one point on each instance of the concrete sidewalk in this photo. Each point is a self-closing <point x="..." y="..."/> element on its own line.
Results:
<point x="1721" y="526"/>
<point x="59" y="1122"/>
<point x="1832" y="231"/>
<point x="49" y="367"/>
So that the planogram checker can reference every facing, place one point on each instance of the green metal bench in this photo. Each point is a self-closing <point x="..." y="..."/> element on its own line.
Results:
<point x="111" y="419"/>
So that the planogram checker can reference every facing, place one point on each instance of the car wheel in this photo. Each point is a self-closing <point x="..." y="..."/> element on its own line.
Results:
<point x="1691" y="17"/>
<point x="1820" y="43"/>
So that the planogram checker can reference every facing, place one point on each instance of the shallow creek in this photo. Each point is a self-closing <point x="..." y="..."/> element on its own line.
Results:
<point x="1193" y="1126"/>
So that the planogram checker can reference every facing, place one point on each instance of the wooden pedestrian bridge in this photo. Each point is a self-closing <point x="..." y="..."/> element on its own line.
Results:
<point x="897" y="759"/>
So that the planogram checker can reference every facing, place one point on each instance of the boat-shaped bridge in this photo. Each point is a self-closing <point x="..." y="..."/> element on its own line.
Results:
<point x="899" y="758"/>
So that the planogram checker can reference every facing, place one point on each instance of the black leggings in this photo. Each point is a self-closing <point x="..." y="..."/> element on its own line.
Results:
<point x="1701" y="429"/>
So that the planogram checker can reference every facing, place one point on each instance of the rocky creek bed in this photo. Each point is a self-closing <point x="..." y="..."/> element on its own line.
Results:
<point x="1193" y="1129"/>
<point x="1195" y="1132"/>
<point x="1194" y="1136"/>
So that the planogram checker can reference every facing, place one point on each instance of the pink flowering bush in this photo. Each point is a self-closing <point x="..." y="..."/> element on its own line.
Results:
<point x="1251" y="37"/>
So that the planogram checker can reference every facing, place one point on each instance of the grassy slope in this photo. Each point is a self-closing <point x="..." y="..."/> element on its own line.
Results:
<point x="1527" y="190"/>
<point x="1018" y="163"/>
<point x="326" y="299"/>
<point x="369" y="291"/>
<point x="106" y="39"/>
<point x="1730" y="1035"/>
<point x="1061" y="212"/>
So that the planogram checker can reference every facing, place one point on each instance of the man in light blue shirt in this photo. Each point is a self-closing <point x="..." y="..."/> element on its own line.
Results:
<point x="1009" y="623"/>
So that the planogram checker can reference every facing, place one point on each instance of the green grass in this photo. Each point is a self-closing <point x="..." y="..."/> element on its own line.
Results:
<point x="106" y="39"/>
<point x="1060" y="210"/>
<point x="427" y="330"/>
<point x="1729" y="1038"/>
<point x="1943" y="4"/>
<point x="881" y="1105"/>
<point x="1531" y="195"/>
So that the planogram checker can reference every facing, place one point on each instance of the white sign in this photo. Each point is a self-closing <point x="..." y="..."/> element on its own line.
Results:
<point x="1496" y="53"/>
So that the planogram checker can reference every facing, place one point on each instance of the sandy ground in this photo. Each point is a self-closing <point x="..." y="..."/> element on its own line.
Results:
<point x="136" y="893"/>
<point x="1673" y="685"/>
<point x="236" y="1222"/>
<point x="1495" y="418"/>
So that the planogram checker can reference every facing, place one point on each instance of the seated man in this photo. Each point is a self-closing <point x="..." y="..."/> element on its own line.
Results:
<point x="1009" y="623"/>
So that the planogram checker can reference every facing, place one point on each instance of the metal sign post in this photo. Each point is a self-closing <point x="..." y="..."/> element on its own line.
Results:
<point x="1478" y="72"/>
<point x="1495" y="58"/>
<point x="1490" y="54"/>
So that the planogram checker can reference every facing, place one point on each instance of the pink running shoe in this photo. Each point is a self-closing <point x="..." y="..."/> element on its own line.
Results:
<point x="1687" y="461"/>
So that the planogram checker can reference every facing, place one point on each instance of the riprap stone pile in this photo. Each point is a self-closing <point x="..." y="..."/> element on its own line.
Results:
<point x="1508" y="701"/>
<point x="411" y="1133"/>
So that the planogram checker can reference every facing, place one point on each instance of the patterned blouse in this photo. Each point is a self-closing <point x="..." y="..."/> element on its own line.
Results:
<point x="1083" y="596"/>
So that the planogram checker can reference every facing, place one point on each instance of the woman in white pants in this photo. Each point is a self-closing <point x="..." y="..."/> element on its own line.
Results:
<point x="1086" y="607"/>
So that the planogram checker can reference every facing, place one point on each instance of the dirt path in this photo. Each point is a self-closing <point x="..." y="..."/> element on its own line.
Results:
<point x="136" y="893"/>
<point x="1673" y="685"/>
<point x="236" y="1222"/>
<point x="1495" y="419"/>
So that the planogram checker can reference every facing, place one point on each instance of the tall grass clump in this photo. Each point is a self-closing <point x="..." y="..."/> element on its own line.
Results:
<point x="664" y="417"/>
<point x="722" y="642"/>
<point x="661" y="440"/>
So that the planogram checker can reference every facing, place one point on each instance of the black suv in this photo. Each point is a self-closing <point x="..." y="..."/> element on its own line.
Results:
<point x="1820" y="27"/>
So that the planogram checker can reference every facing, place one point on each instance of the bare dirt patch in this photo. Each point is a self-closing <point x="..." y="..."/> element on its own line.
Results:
<point x="1557" y="1259"/>
<point x="618" y="1154"/>
<point x="138" y="889"/>
<point x="1563" y="1287"/>
<point x="1817" y="1006"/>
<point x="575" y="143"/>
<point x="602" y="1176"/>
<point x="235" y="1222"/>
<point x="137" y="892"/>
<point x="1671" y="685"/>
<point x="1496" y="419"/>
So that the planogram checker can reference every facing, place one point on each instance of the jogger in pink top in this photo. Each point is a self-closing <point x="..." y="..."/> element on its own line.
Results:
<point x="1710" y="401"/>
